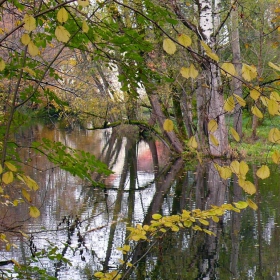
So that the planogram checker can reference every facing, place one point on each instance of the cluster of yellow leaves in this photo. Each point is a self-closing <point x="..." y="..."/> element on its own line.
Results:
<point x="108" y="275"/>
<point x="8" y="176"/>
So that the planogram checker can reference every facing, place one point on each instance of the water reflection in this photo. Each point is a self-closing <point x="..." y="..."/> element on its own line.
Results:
<point x="87" y="224"/>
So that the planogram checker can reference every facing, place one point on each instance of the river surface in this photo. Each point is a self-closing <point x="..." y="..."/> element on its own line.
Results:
<point x="86" y="225"/>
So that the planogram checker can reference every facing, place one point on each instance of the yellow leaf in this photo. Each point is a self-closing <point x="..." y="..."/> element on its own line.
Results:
<point x="1" y="169"/>
<point x="169" y="46"/>
<point x="255" y="110"/>
<point x="215" y="219"/>
<point x="29" y="23"/>
<point x="214" y="140"/>
<point x="204" y="222"/>
<point x="8" y="177"/>
<point x="252" y="204"/>
<point x="272" y="107"/>
<point x="274" y="66"/>
<point x="30" y="183"/>
<point x="229" y="104"/>
<point x="29" y="71"/>
<point x="263" y="172"/>
<point x="241" y="204"/>
<point x="240" y="100"/>
<point x="209" y="52"/>
<point x="234" y="134"/>
<point x="85" y="27"/>
<point x="276" y="157"/>
<point x="234" y="166"/>
<point x="275" y="96"/>
<point x="11" y="166"/>
<point x="98" y="274"/>
<point x="247" y="186"/>
<point x="192" y="142"/>
<point x="34" y="212"/>
<point x="83" y="3"/>
<point x="212" y="126"/>
<point x="206" y="47"/>
<point x="62" y="15"/>
<point x="228" y="69"/>
<point x="255" y="94"/>
<point x="2" y="64"/>
<point x="274" y="135"/>
<point x="185" y="72"/>
<point x="25" y="39"/>
<point x="193" y="72"/>
<point x="184" y="40"/>
<point x="243" y="168"/>
<point x="156" y="216"/>
<point x="168" y="125"/>
<point x="225" y="172"/>
<point x="32" y="49"/>
<point x="264" y="100"/>
<point x="249" y="72"/>
<point x="26" y="195"/>
<point x="62" y="34"/>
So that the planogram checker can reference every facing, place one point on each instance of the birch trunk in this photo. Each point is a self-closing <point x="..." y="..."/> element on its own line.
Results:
<point x="209" y="24"/>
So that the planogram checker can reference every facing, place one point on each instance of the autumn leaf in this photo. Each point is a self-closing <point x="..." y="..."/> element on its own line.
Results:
<point x="85" y="27"/>
<point x="192" y="142"/>
<point x="169" y="46"/>
<point x="11" y="166"/>
<point x="26" y="195"/>
<point x="83" y="3"/>
<point x="275" y="96"/>
<point x="25" y="39"/>
<point x="249" y="72"/>
<point x="214" y="140"/>
<point x="168" y="125"/>
<point x="62" y="15"/>
<point x="255" y="94"/>
<point x="255" y="110"/>
<point x="228" y="69"/>
<point x="62" y="34"/>
<point x="274" y="135"/>
<point x="8" y="177"/>
<point x="276" y="157"/>
<point x="2" y="64"/>
<point x="240" y="100"/>
<point x="241" y="204"/>
<point x="156" y="216"/>
<point x="273" y="107"/>
<point x="32" y="49"/>
<point x="34" y="212"/>
<point x="247" y="186"/>
<point x="212" y="126"/>
<point x="29" y="23"/>
<point x="263" y="172"/>
<point x="234" y="134"/>
<point x="274" y="66"/>
<point x="229" y="104"/>
<point x="184" y="40"/>
<point x="190" y="72"/>
<point x="252" y="204"/>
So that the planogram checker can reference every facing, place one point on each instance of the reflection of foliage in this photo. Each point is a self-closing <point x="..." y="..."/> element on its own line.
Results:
<point x="77" y="162"/>
<point x="196" y="219"/>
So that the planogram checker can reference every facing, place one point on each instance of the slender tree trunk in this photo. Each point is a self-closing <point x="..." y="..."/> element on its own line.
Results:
<point x="209" y="24"/>
<point x="171" y="136"/>
<point x="236" y="82"/>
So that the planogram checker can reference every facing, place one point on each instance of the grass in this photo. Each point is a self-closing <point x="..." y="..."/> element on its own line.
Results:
<point x="261" y="148"/>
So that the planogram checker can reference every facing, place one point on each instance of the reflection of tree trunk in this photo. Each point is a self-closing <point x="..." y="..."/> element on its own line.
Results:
<point x="164" y="183"/>
<point x="216" y="196"/>
<point x="258" y="201"/>
<point x="235" y="229"/>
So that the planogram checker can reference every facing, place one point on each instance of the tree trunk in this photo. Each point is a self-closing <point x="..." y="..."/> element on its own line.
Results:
<point x="209" y="24"/>
<point x="236" y="82"/>
<point x="175" y="143"/>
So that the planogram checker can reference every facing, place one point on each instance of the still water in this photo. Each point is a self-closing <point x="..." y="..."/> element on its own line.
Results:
<point x="86" y="225"/>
